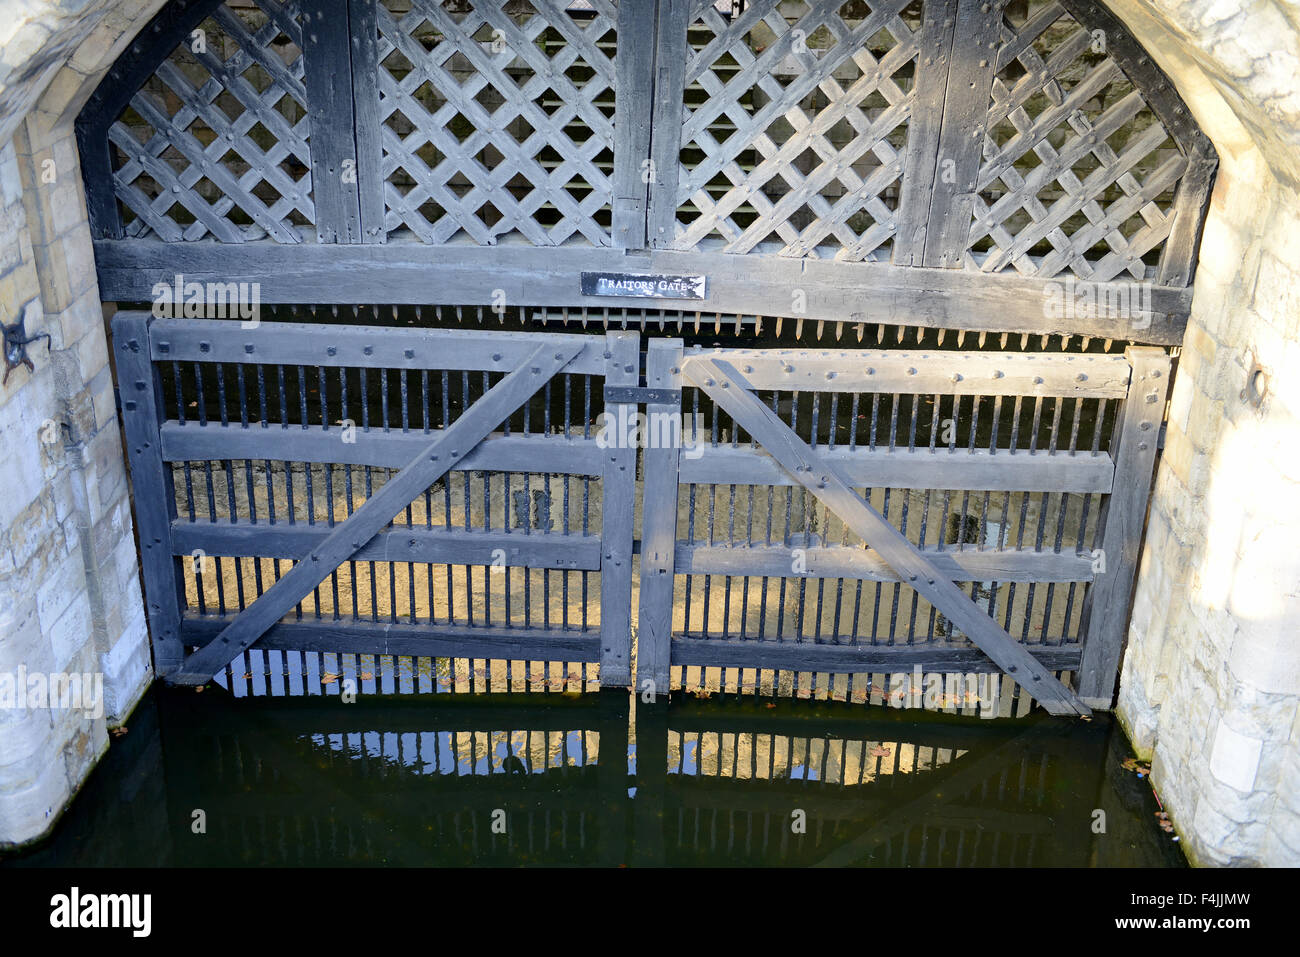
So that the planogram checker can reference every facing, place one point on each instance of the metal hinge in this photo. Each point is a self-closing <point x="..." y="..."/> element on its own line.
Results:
<point x="635" y="395"/>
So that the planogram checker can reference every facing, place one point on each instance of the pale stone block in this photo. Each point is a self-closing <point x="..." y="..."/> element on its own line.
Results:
<point x="31" y="811"/>
<point x="1235" y="758"/>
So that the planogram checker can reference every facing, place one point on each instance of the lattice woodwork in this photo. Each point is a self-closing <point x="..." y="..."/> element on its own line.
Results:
<point x="216" y="141"/>
<point x="498" y="118"/>
<point x="794" y="125"/>
<point x="1078" y="175"/>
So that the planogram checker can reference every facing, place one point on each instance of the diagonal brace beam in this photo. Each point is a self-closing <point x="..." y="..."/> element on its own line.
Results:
<point x="729" y="390"/>
<point x="452" y="445"/>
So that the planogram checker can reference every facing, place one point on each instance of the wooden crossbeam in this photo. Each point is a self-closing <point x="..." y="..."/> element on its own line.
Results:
<point x="729" y="390"/>
<point x="435" y="460"/>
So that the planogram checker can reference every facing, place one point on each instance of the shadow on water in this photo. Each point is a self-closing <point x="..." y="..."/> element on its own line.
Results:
<point x="507" y="781"/>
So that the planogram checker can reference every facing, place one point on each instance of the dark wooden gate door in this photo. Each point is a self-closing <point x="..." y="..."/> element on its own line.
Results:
<point x="779" y="539"/>
<point x="470" y="527"/>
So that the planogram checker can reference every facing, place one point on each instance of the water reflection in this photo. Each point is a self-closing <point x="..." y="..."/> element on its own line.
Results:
<point x="599" y="780"/>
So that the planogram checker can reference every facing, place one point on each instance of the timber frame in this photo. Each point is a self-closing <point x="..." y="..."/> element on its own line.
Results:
<point x="945" y="163"/>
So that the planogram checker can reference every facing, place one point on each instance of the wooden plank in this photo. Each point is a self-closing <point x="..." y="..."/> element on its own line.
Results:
<point x="943" y="469"/>
<point x="961" y="139"/>
<point x="618" y="495"/>
<point x="327" y="72"/>
<point x="633" y="107"/>
<point x="730" y="391"/>
<point x="757" y="284"/>
<point x="151" y="487"/>
<point x="1106" y="607"/>
<point x="671" y="53"/>
<point x="345" y="539"/>
<point x="856" y="659"/>
<point x="364" y="29"/>
<point x="923" y="131"/>
<point x="314" y="344"/>
<point x="213" y="442"/>
<point x="928" y="373"/>
<point x="441" y="546"/>
<point x="993" y="565"/>
<point x="658" y="527"/>
<point x="401" y="638"/>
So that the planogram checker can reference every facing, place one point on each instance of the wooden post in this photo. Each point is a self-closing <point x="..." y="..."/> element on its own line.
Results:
<point x="658" y="524"/>
<point x="1106" y="609"/>
<point x="618" y="495"/>
<point x="327" y="68"/>
<point x="666" y="126"/>
<point x="633" y="109"/>
<point x="151" y="488"/>
<point x="363" y="27"/>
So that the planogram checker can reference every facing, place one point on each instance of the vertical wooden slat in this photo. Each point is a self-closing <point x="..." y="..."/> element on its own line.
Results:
<point x="658" y="526"/>
<point x="618" y="492"/>
<point x="151" y="488"/>
<point x="923" y="133"/>
<point x="364" y="29"/>
<point x="666" y="126"/>
<point x="1106" y="608"/>
<point x="633" y="107"/>
<point x="961" y="136"/>
<point x="327" y="66"/>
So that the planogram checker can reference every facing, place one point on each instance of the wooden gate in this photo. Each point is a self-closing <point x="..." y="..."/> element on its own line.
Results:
<point x="377" y="491"/>
<point x="863" y="513"/>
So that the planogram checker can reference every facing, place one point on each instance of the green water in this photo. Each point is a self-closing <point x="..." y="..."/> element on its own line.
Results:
<point x="595" y="780"/>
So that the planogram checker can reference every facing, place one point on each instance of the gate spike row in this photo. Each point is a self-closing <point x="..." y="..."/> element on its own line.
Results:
<point x="681" y="318"/>
<point x="1003" y="341"/>
<point x="1065" y="343"/>
<point x="939" y="337"/>
<point x="394" y="310"/>
<point x="983" y="336"/>
<point x="839" y="331"/>
<point x="1108" y="342"/>
<point x="961" y="337"/>
<point x="1024" y="340"/>
<point x="880" y="332"/>
<point x="758" y="325"/>
<point x="419" y="313"/>
<point x="334" y="311"/>
<point x="697" y="322"/>
<point x="460" y="316"/>
<point x="779" y="320"/>
<point x="717" y="323"/>
<point x="901" y="331"/>
<point x="862" y="328"/>
<point x="920" y="334"/>
<point x="821" y="326"/>
<point x="1043" y="343"/>
<point x="1087" y="340"/>
<point x="798" y="328"/>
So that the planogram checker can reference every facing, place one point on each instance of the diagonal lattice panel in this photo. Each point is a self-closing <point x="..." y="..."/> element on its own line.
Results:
<point x="1078" y="175"/>
<point x="794" y="126"/>
<point x="498" y="118"/>
<point x="216" y="142"/>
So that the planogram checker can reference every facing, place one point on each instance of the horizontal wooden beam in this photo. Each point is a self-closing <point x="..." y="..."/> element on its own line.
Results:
<point x="928" y="373"/>
<point x="374" y="347"/>
<point x="791" y="655"/>
<point x="957" y="469"/>
<point x="439" y="546"/>
<point x="215" y="442"/>
<point x="401" y="638"/>
<point x="993" y="565"/>
<point x="754" y="284"/>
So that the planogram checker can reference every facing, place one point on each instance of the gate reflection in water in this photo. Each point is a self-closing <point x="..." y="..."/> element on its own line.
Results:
<point x="597" y="780"/>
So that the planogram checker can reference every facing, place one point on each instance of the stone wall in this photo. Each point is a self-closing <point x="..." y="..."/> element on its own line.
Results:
<point x="1210" y="687"/>
<point x="70" y="597"/>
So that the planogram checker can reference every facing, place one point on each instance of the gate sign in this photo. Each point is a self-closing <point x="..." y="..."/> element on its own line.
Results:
<point x="642" y="287"/>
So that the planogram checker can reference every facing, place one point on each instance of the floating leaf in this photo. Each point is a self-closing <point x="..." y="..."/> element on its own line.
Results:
<point x="328" y="679"/>
<point x="879" y="752"/>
